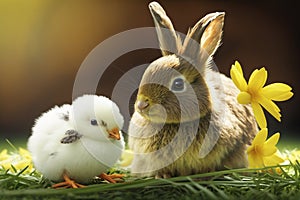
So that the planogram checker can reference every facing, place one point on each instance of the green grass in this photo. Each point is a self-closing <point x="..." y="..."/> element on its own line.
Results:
<point x="228" y="184"/>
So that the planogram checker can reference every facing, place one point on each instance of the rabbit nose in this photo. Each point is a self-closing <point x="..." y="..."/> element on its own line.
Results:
<point x="142" y="104"/>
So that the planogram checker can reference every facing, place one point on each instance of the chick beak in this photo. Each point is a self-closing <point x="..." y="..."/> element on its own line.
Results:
<point x="114" y="133"/>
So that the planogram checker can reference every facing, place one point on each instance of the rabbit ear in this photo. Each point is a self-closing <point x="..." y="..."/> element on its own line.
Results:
<point x="207" y="32"/>
<point x="169" y="42"/>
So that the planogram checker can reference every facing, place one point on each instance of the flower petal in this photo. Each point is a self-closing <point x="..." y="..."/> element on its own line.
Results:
<point x="250" y="149"/>
<point x="238" y="67"/>
<point x="3" y="155"/>
<point x="259" y="115"/>
<point x="244" y="98"/>
<point x="283" y="96"/>
<point x="6" y="165"/>
<point x="277" y="91"/>
<point x="255" y="160"/>
<point x="270" y="106"/>
<point x="257" y="80"/>
<point x="272" y="160"/>
<point x="23" y="152"/>
<point x="293" y="156"/>
<point x="273" y="140"/>
<point x="238" y="79"/>
<point x="268" y="150"/>
<point x="126" y="158"/>
<point x="260" y="137"/>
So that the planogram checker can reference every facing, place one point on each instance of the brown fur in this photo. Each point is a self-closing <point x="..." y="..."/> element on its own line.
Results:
<point x="197" y="130"/>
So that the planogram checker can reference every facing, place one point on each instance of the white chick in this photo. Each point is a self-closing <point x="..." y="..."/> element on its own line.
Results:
<point x="77" y="142"/>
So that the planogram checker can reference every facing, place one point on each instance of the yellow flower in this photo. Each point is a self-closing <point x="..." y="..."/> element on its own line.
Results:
<point x="3" y="155"/>
<point x="292" y="156"/>
<point x="18" y="160"/>
<point x="259" y="96"/>
<point x="126" y="158"/>
<point x="262" y="152"/>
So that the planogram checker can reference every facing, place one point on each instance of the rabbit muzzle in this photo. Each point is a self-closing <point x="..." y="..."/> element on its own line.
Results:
<point x="150" y="110"/>
<point x="142" y="105"/>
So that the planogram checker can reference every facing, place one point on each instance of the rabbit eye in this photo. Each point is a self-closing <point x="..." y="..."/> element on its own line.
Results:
<point x="177" y="85"/>
<point x="94" y="122"/>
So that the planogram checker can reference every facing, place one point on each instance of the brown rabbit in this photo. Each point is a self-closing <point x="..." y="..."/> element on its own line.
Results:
<point x="187" y="119"/>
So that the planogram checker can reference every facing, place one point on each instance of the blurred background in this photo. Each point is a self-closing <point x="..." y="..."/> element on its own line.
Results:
<point x="43" y="43"/>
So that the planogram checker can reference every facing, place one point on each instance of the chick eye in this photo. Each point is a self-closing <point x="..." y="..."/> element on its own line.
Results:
<point x="177" y="85"/>
<point x="94" y="122"/>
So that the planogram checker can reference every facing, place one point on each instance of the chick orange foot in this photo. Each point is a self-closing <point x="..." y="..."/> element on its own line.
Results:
<point x="68" y="183"/>
<point x="110" y="178"/>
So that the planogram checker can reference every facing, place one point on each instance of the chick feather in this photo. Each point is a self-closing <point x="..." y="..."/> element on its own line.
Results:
<point x="90" y="152"/>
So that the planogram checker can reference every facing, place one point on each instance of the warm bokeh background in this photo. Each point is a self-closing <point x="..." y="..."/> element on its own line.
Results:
<point x="43" y="43"/>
